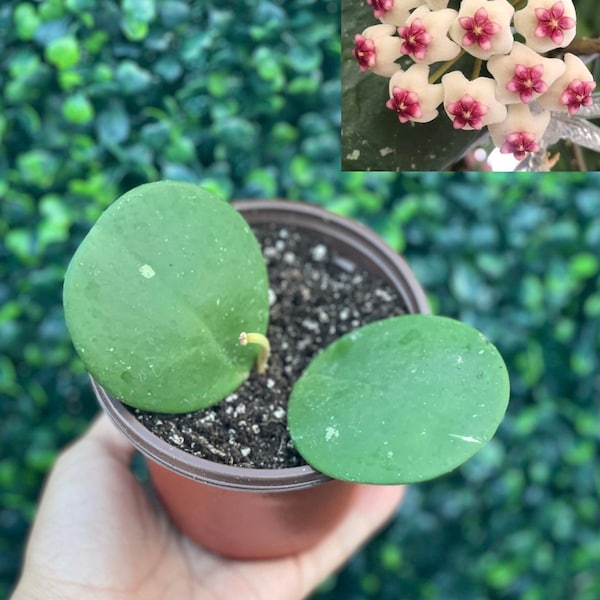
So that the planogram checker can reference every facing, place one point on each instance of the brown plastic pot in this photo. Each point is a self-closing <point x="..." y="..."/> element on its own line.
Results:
<point x="264" y="513"/>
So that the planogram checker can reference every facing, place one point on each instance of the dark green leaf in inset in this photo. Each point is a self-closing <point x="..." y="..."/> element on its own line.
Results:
<point x="158" y="292"/>
<point x="374" y="140"/>
<point x="400" y="400"/>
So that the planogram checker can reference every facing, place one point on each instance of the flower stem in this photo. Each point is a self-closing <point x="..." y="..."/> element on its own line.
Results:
<point x="444" y="67"/>
<point x="476" y="69"/>
<point x="265" y="348"/>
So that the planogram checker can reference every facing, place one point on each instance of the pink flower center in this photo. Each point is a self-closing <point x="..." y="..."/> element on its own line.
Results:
<point x="577" y="94"/>
<point x="552" y="22"/>
<point x="364" y="52"/>
<point x="527" y="81"/>
<point x="519" y="143"/>
<point x="380" y="7"/>
<point x="405" y="103"/>
<point x="478" y="29"/>
<point x="467" y="112"/>
<point x="416" y="39"/>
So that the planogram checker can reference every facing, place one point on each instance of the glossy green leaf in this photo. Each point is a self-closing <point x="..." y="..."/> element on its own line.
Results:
<point x="143" y="10"/>
<point x="78" y="109"/>
<point x="132" y="78"/>
<point x="400" y="400"/>
<point x="26" y="20"/>
<point x="158" y="292"/>
<point x="113" y="124"/>
<point x="63" y="52"/>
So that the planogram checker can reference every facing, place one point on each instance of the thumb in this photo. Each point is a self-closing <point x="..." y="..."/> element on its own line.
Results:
<point x="99" y="458"/>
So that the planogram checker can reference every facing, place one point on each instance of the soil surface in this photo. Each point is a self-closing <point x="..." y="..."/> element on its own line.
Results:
<point x="315" y="297"/>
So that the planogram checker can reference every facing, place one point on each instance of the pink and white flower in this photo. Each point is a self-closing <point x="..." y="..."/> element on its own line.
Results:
<point x="425" y="35"/>
<point x="523" y="75"/>
<point x="393" y="12"/>
<point x="381" y="7"/>
<point x="524" y="87"/>
<point x="412" y="97"/>
<point x="376" y="49"/>
<point x="572" y="90"/>
<point x="483" y="27"/>
<point x="547" y="24"/>
<point x="521" y="132"/>
<point x="471" y="104"/>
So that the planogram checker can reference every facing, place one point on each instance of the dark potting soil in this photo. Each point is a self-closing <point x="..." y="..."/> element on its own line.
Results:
<point x="315" y="297"/>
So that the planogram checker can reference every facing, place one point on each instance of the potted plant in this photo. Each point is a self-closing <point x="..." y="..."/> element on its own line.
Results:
<point x="167" y="303"/>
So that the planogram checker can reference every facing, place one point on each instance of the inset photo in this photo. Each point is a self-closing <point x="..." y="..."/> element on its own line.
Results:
<point x="461" y="85"/>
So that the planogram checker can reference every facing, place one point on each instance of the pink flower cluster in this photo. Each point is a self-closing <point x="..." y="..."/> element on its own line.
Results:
<point x="521" y="76"/>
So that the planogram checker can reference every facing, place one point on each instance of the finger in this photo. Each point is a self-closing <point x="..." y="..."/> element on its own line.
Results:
<point x="101" y="451"/>
<point x="81" y="473"/>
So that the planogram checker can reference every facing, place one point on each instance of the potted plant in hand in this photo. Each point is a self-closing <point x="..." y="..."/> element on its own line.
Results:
<point x="167" y="303"/>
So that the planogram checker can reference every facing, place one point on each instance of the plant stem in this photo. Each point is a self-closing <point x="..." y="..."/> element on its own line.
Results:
<point x="444" y="67"/>
<point x="583" y="45"/>
<point x="476" y="69"/>
<point x="265" y="348"/>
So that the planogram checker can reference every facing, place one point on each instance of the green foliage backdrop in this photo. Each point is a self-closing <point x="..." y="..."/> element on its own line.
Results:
<point x="97" y="97"/>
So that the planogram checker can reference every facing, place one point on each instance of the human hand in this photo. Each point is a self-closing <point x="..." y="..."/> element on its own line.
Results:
<point x="98" y="535"/>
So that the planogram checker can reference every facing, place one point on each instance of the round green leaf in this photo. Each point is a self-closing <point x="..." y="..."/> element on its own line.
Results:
<point x="63" y="52"/>
<point x="26" y="21"/>
<point x="158" y="292"/>
<point x="78" y="109"/>
<point x="113" y="124"/>
<point x="400" y="400"/>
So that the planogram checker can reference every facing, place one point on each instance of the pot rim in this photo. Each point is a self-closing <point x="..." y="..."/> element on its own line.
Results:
<point x="392" y="266"/>
<point x="320" y="221"/>
<point x="201" y="469"/>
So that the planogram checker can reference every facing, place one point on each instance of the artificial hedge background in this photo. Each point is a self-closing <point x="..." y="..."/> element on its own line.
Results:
<point x="98" y="96"/>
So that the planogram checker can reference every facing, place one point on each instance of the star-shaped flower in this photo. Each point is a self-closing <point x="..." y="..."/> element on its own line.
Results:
<point x="479" y="29"/>
<point x="416" y="39"/>
<point x="467" y="113"/>
<point x="523" y="75"/>
<point x="412" y="97"/>
<point x="572" y="90"/>
<point x="527" y="81"/>
<point x="520" y="133"/>
<point x="546" y="24"/>
<point x="377" y="49"/>
<point x="380" y="7"/>
<point x="578" y="94"/>
<point x="405" y="103"/>
<point x="425" y="35"/>
<point x="393" y="12"/>
<point x="483" y="27"/>
<point x="471" y="104"/>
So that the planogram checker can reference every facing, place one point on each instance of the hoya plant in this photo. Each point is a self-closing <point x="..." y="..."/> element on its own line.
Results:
<point x="450" y="72"/>
<point x="166" y="300"/>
